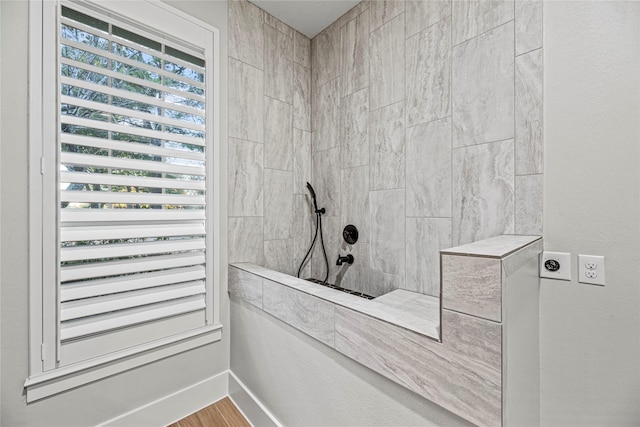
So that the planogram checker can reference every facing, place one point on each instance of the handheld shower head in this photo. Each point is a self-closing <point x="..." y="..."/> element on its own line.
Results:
<point x="313" y="196"/>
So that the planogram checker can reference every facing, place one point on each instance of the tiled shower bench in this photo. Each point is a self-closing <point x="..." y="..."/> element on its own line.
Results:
<point x="475" y="354"/>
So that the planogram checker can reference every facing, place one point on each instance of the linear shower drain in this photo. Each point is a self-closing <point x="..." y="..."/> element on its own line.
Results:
<point x="341" y="289"/>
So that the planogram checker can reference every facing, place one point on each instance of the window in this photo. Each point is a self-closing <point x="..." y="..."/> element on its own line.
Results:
<point x="125" y="194"/>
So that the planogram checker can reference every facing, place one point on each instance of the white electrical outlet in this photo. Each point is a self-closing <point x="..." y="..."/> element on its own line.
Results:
<point x="555" y="265"/>
<point x="591" y="269"/>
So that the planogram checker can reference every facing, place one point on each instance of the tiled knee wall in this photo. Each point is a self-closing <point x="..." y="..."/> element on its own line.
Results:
<point x="466" y="372"/>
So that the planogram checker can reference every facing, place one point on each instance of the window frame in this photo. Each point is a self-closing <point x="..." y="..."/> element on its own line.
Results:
<point x="45" y="377"/>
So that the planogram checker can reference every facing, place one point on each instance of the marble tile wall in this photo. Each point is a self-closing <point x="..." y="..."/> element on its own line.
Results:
<point x="420" y="122"/>
<point x="426" y="133"/>
<point x="270" y="157"/>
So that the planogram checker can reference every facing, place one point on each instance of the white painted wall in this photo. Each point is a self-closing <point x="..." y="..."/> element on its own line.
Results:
<point x="108" y="398"/>
<point x="590" y="335"/>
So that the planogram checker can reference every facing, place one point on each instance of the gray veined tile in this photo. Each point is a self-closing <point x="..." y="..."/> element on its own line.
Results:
<point x="332" y="232"/>
<point x="245" y="178"/>
<point x="246" y="286"/>
<point x="303" y="225"/>
<point x="245" y="240"/>
<point x="354" y="190"/>
<point x="278" y="255"/>
<point x="278" y="135"/>
<point x="387" y="150"/>
<point x="301" y="161"/>
<point x="246" y="39"/>
<point x="529" y="126"/>
<point x="301" y="97"/>
<point x="483" y="191"/>
<point x="474" y="17"/>
<point x="425" y="238"/>
<point x="311" y="315"/>
<point x="387" y="227"/>
<point x="327" y="120"/>
<point x="428" y="171"/>
<point x="472" y="285"/>
<point x="355" y="276"/>
<point x="383" y="11"/>
<point x="382" y="283"/>
<point x="278" y="204"/>
<point x="278" y="24"/>
<point x="429" y="74"/>
<point x="354" y="132"/>
<point x="528" y="25"/>
<point x="278" y="65"/>
<point x="359" y="8"/>
<point x="301" y="50"/>
<point x="493" y="247"/>
<point x="483" y="93"/>
<point x="354" y="54"/>
<point x="326" y="180"/>
<point x="464" y="379"/>
<point x="326" y="50"/>
<point x="421" y="14"/>
<point x="386" y="58"/>
<point x="529" y="204"/>
<point x="245" y="101"/>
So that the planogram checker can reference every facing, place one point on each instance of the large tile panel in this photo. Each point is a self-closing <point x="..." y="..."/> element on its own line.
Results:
<point x="278" y="204"/>
<point x="386" y="56"/>
<point x="474" y="17"/>
<point x="472" y="285"/>
<point x="354" y="129"/>
<point x="421" y="14"/>
<point x="529" y="204"/>
<point x="428" y="175"/>
<point x="529" y="130"/>
<point x="278" y="256"/>
<point x="327" y="120"/>
<point x="311" y="315"/>
<point x="467" y="382"/>
<point x="483" y="92"/>
<point x="245" y="101"/>
<point x="245" y="237"/>
<point x="382" y="11"/>
<point x="246" y="286"/>
<point x="245" y="178"/>
<point x="278" y="135"/>
<point x="354" y="190"/>
<point x="354" y="53"/>
<point x="387" y="231"/>
<point x="246" y="39"/>
<point x="301" y="161"/>
<point x="428" y="71"/>
<point x="326" y="180"/>
<point x="528" y="25"/>
<point x="301" y="97"/>
<point x="483" y="191"/>
<point x="278" y="65"/>
<point x="387" y="150"/>
<point x="425" y="238"/>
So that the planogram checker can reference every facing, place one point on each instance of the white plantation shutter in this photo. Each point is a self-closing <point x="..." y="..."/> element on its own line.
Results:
<point x="133" y="244"/>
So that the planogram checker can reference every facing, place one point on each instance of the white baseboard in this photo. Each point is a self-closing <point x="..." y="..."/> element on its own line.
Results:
<point x="250" y="406"/>
<point x="175" y="406"/>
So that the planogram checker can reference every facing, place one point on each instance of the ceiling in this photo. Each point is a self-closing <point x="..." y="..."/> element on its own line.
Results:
<point x="307" y="16"/>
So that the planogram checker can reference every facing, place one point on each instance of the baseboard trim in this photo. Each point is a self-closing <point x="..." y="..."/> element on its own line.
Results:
<point x="177" y="405"/>
<point x="250" y="406"/>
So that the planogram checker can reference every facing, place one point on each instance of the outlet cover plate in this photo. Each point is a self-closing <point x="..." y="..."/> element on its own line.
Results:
<point x="562" y="273"/>
<point x="591" y="269"/>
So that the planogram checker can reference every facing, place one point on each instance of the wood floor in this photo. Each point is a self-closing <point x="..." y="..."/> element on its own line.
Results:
<point x="223" y="413"/>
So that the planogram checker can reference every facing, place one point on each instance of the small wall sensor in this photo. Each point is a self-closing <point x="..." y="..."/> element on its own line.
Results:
<point x="555" y="265"/>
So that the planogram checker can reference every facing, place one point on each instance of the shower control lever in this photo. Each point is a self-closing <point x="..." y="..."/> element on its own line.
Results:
<point x="342" y="259"/>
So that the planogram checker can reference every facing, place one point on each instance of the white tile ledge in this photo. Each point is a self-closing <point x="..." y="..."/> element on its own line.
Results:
<point x="493" y="247"/>
<point x="409" y="310"/>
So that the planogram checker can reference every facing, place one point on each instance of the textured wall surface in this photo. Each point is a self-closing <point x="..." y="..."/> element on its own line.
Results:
<point x="590" y="335"/>
<point x="270" y="214"/>
<point x="426" y="133"/>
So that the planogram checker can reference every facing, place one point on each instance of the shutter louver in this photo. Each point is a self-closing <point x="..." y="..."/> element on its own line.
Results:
<point x="132" y="179"/>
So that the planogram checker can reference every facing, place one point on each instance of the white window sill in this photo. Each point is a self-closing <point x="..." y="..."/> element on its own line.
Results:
<point x="59" y="380"/>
